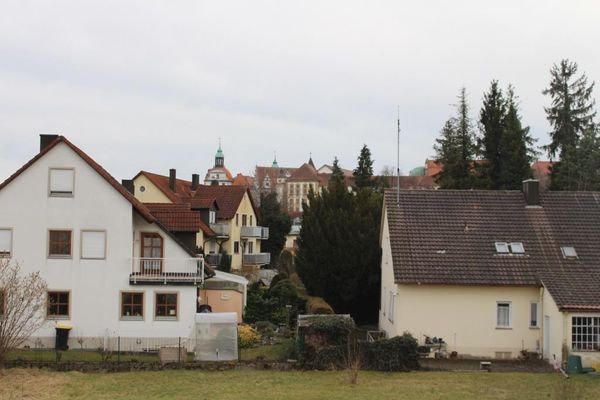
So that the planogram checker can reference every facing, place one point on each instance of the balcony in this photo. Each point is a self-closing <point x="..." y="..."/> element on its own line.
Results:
<point x="256" y="259"/>
<point x="182" y="271"/>
<point x="259" y="232"/>
<point x="295" y="229"/>
<point x="222" y="230"/>
<point x="213" y="259"/>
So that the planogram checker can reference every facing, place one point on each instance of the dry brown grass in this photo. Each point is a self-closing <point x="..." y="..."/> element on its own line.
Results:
<point x="31" y="384"/>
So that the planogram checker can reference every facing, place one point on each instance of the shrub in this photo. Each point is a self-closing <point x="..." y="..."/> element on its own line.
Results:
<point x="316" y="305"/>
<point x="248" y="336"/>
<point x="396" y="354"/>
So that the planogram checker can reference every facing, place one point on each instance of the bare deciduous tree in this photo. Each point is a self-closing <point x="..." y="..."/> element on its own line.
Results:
<point x="22" y="301"/>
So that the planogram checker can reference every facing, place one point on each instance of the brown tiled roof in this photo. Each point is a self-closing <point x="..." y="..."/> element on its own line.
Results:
<point x="201" y="203"/>
<point x="243" y="180"/>
<point x="179" y="217"/>
<point x="306" y="173"/>
<point x="137" y="205"/>
<point x="411" y="182"/>
<point x="162" y="183"/>
<point x="228" y="198"/>
<point x="448" y="236"/>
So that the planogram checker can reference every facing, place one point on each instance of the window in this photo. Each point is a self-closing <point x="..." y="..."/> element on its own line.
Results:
<point x="250" y="247"/>
<point x="534" y="315"/>
<point x="152" y="253"/>
<point x="62" y="181"/>
<point x="251" y="220"/>
<point x="585" y="333"/>
<point x="392" y="301"/>
<point x="244" y="219"/>
<point x="5" y="243"/>
<point x="59" y="244"/>
<point x="212" y="217"/>
<point x="568" y="252"/>
<point x="503" y="317"/>
<point x="509" y="248"/>
<point x="517" y="248"/>
<point x="58" y="305"/>
<point x="132" y="305"/>
<point x="166" y="305"/>
<point x="93" y="245"/>
<point x="236" y="247"/>
<point x="237" y="219"/>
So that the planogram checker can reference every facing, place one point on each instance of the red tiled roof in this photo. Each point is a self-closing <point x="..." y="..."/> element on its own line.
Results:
<point x="448" y="237"/>
<point x="137" y="205"/>
<point x="162" y="183"/>
<point x="179" y="217"/>
<point x="228" y="198"/>
<point x="411" y="182"/>
<point x="243" y="180"/>
<point x="306" y="173"/>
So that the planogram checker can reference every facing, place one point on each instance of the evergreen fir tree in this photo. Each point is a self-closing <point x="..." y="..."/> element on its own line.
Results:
<point x="515" y="149"/>
<point x="363" y="173"/>
<point x="492" y="118"/>
<point x="572" y="108"/>
<point x="455" y="149"/>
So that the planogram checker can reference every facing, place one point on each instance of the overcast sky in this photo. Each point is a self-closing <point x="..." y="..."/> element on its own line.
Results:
<point x="153" y="84"/>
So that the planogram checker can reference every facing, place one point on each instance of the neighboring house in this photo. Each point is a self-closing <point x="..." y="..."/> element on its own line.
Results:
<point x="219" y="174"/>
<point x="225" y="293"/>
<point x="299" y="184"/>
<point x="273" y="179"/>
<point x="228" y="211"/>
<point x="493" y="272"/>
<point x="112" y="268"/>
<point x="542" y="171"/>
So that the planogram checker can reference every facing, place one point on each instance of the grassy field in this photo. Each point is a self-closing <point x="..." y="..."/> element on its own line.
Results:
<point x="265" y="385"/>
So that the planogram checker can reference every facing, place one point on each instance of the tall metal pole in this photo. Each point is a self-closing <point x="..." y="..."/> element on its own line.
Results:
<point x="398" y="162"/>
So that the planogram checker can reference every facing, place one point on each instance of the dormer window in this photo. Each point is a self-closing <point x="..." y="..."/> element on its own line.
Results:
<point x="568" y="252"/>
<point x="61" y="182"/>
<point x="509" y="248"/>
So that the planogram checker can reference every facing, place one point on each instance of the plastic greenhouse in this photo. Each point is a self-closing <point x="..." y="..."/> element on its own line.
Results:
<point x="216" y="337"/>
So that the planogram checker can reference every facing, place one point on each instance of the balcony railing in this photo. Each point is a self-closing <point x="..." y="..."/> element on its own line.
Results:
<point x="167" y="270"/>
<point x="222" y="230"/>
<point x="256" y="259"/>
<point x="259" y="232"/>
<point x="295" y="229"/>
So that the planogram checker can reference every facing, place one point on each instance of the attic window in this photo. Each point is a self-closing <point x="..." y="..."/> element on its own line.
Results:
<point x="568" y="252"/>
<point x="509" y="248"/>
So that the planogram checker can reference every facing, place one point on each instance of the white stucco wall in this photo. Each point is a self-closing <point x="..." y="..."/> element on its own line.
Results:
<point x="94" y="285"/>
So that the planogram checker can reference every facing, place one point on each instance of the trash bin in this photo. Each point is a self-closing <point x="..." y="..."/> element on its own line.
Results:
<point x="62" y="337"/>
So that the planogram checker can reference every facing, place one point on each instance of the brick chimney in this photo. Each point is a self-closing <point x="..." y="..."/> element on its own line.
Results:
<point x="531" y="190"/>
<point x="128" y="184"/>
<point x="45" y="140"/>
<point x="195" y="181"/>
<point x="173" y="179"/>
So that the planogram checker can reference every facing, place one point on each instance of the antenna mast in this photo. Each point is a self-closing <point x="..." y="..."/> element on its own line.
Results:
<point x="398" y="162"/>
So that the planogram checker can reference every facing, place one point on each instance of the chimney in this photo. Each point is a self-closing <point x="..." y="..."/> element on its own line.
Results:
<point x="195" y="181"/>
<point x="531" y="190"/>
<point x="45" y="140"/>
<point x="128" y="184"/>
<point x="173" y="179"/>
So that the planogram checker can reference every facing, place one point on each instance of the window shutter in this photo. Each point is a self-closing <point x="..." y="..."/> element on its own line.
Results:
<point x="5" y="241"/>
<point x="93" y="244"/>
<point x="61" y="180"/>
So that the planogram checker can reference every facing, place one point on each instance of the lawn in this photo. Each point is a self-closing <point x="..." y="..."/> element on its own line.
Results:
<point x="265" y="385"/>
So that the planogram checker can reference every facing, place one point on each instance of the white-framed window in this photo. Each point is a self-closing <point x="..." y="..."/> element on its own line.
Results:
<point x="585" y="333"/>
<point x="509" y="248"/>
<point x="534" y="314"/>
<point x="503" y="314"/>
<point x="568" y="252"/>
<point x="392" y="304"/>
<point x="61" y="182"/>
<point x="212" y="217"/>
<point x="93" y="244"/>
<point x="5" y="242"/>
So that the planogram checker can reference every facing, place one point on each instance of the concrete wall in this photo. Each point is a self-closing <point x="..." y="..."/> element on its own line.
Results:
<point x="224" y="300"/>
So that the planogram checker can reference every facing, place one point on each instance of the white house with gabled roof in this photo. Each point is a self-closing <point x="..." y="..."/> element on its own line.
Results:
<point x="111" y="268"/>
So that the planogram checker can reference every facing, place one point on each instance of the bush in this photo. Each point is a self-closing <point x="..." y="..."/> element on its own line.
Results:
<point x="248" y="336"/>
<point x="396" y="354"/>
<point x="316" y="305"/>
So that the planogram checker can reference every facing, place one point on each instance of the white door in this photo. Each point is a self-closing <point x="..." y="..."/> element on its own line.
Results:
<point x="546" y="334"/>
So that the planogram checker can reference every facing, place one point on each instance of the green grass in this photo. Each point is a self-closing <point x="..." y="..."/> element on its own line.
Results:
<point x="276" y="352"/>
<point x="265" y="385"/>
<point x="78" y="355"/>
